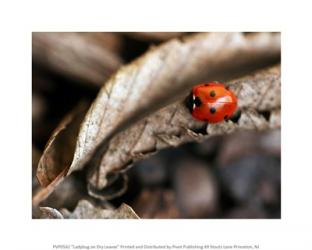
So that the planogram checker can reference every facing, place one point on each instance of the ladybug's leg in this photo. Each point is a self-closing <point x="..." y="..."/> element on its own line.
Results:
<point x="235" y="117"/>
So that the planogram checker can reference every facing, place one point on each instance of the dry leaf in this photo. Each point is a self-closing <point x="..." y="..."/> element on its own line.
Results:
<point x="59" y="150"/>
<point x="258" y="94"/>
<point x="88" y="58"/>
<point x="57" y="156"/>
<point x="85" y="210"/>
<point x="50" y="213"/>
<point x="161" y="76"/>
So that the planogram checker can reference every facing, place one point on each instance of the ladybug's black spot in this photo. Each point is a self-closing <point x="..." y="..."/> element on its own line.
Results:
<point x="206" y="84"/>
<point x="212" y="93"/>
<point x="213" y="110"/>
<point x="197" y="101"/>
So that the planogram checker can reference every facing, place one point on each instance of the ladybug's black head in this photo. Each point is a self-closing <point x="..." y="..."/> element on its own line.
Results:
<point x="191" y="101"/>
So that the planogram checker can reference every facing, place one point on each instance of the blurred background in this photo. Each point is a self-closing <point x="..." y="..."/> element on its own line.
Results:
<point x="232" y="176"/>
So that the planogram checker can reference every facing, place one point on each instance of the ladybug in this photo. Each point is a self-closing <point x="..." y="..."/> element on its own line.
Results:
<point x="212" y="102"/>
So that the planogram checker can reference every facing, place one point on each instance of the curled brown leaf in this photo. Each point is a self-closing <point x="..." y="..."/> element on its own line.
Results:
<point x="59" y="150"/>
<point x="173" y="125"/>
<point x="163" y="75"/>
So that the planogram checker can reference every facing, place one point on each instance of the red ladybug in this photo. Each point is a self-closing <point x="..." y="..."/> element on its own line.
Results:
<point x="212" y="102"/>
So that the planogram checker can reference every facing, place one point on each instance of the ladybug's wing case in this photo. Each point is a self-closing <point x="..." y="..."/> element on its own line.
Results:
<point x="214" y="112"/>
<point x="216" y="102"/>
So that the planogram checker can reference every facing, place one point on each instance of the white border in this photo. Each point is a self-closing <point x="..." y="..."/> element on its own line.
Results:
<point x="19" y="19"/>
